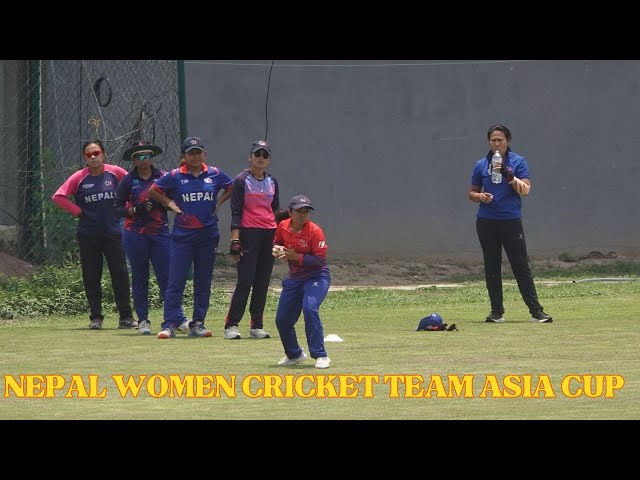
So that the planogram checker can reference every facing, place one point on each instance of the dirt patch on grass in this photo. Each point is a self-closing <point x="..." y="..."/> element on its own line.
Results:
<point x="435" y="269"/>
<point x="376" y="272"/>
<point x="372" y="272"/>
<point x="14" y="267"/>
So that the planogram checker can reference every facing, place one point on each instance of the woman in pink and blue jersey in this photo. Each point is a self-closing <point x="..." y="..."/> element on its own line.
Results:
<point x="98" y="231"/>
<point x="255" y="210"/>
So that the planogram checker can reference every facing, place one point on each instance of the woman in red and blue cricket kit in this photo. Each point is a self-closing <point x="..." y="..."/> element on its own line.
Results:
<point x="98" y="231"/>
<point x="145" y="235"/>
<point x="192" y="192"/>
<point x="302" y="243"/>
<point x="255" y="199"/>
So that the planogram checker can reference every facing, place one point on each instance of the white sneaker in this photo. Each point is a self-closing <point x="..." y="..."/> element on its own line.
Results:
<point x="258" y="333"/>
<point x="323" y="362"/>
<point x="144" y="327"/>
<point x="231" y="333"/>
<point x="184" y="328"/>
<point x="291" y="361"/>
<point x="168" y="332"/>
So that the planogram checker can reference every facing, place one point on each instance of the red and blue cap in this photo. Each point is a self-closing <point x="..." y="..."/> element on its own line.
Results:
<point x="431" y="322"/>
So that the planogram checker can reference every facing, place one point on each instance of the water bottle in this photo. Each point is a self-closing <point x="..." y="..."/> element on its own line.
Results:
<point x="496" y="176"/>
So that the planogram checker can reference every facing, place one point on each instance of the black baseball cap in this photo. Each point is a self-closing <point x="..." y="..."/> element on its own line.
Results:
<point x="191" y="143"/>
<point x="300" y="201"/>
<point x="260" y="145"/>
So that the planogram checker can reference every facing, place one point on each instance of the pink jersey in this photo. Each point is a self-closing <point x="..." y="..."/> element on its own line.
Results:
<point x="254" y="201"/>
<point x="93" y="197"/>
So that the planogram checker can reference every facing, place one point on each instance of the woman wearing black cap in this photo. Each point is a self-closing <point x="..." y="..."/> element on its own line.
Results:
<point x="302" y="244"/>
<point x="255" y="201"/>
<point x="145" y="236"/>
<point x="191" y="191"/>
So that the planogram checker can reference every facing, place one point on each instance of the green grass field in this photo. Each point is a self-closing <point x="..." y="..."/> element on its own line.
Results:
<point x="595" y="337"/>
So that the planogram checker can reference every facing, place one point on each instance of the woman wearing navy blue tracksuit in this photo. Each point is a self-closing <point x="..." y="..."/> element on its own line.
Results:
<point x="145" y="235"/>
<point x="192" y="192"/>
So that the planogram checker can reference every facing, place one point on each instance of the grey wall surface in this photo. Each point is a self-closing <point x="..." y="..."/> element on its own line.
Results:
<point x="385" y="149"/>
<point x="10" y="71"/>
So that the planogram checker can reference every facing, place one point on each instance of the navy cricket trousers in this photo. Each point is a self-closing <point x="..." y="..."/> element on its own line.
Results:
<point x="142" y="248"/>
<point x="304" y="296"/>
<point x="197" y="246"/>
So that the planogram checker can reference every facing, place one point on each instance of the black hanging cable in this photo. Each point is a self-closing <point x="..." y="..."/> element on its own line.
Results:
<point x="9" y="215"/>
<point x="266" y="104"/>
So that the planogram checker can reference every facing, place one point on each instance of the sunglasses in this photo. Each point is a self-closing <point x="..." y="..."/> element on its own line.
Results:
<point x="262" y="153"/>
<point x="94" y="154"/>
<point x="143" y="157"/>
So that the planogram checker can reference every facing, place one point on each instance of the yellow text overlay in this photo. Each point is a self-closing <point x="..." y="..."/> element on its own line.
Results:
<point x="339" y="386"/>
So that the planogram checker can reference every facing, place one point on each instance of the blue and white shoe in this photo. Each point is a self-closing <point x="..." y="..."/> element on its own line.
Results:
<point x="144" y="327"/>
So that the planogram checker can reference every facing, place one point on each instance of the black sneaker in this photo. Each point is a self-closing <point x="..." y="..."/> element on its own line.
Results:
<point x="541" y="317"/>
<point x="495" y="318"/>
<point x="96" y="324"/>
<point x="128" y="323"/>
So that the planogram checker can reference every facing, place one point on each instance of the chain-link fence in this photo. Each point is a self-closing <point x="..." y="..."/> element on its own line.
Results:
<point x="49" y="108"/>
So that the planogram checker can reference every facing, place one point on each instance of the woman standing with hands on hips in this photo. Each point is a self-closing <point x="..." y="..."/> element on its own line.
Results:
<point x="191" y="191"/>
<point x="301" y="242"/>
<point x="98" y="231"/>
<point x="499" y="223"/>
<point x="145" y="235"/>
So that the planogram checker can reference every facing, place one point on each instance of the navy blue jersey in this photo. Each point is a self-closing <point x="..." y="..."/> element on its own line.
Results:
<point x="506" y="204"/>
<point x="93" y="197"/>
<point x="133" y="191"/>
<point x="195" y="196"/>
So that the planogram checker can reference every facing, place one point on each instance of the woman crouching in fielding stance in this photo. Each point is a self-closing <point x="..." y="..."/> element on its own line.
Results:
<point x="302" y="243"/>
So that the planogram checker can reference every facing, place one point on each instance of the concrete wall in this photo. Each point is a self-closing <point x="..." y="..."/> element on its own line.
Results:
<point x="385" y="149"/>
<point x="10" y="71"/>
